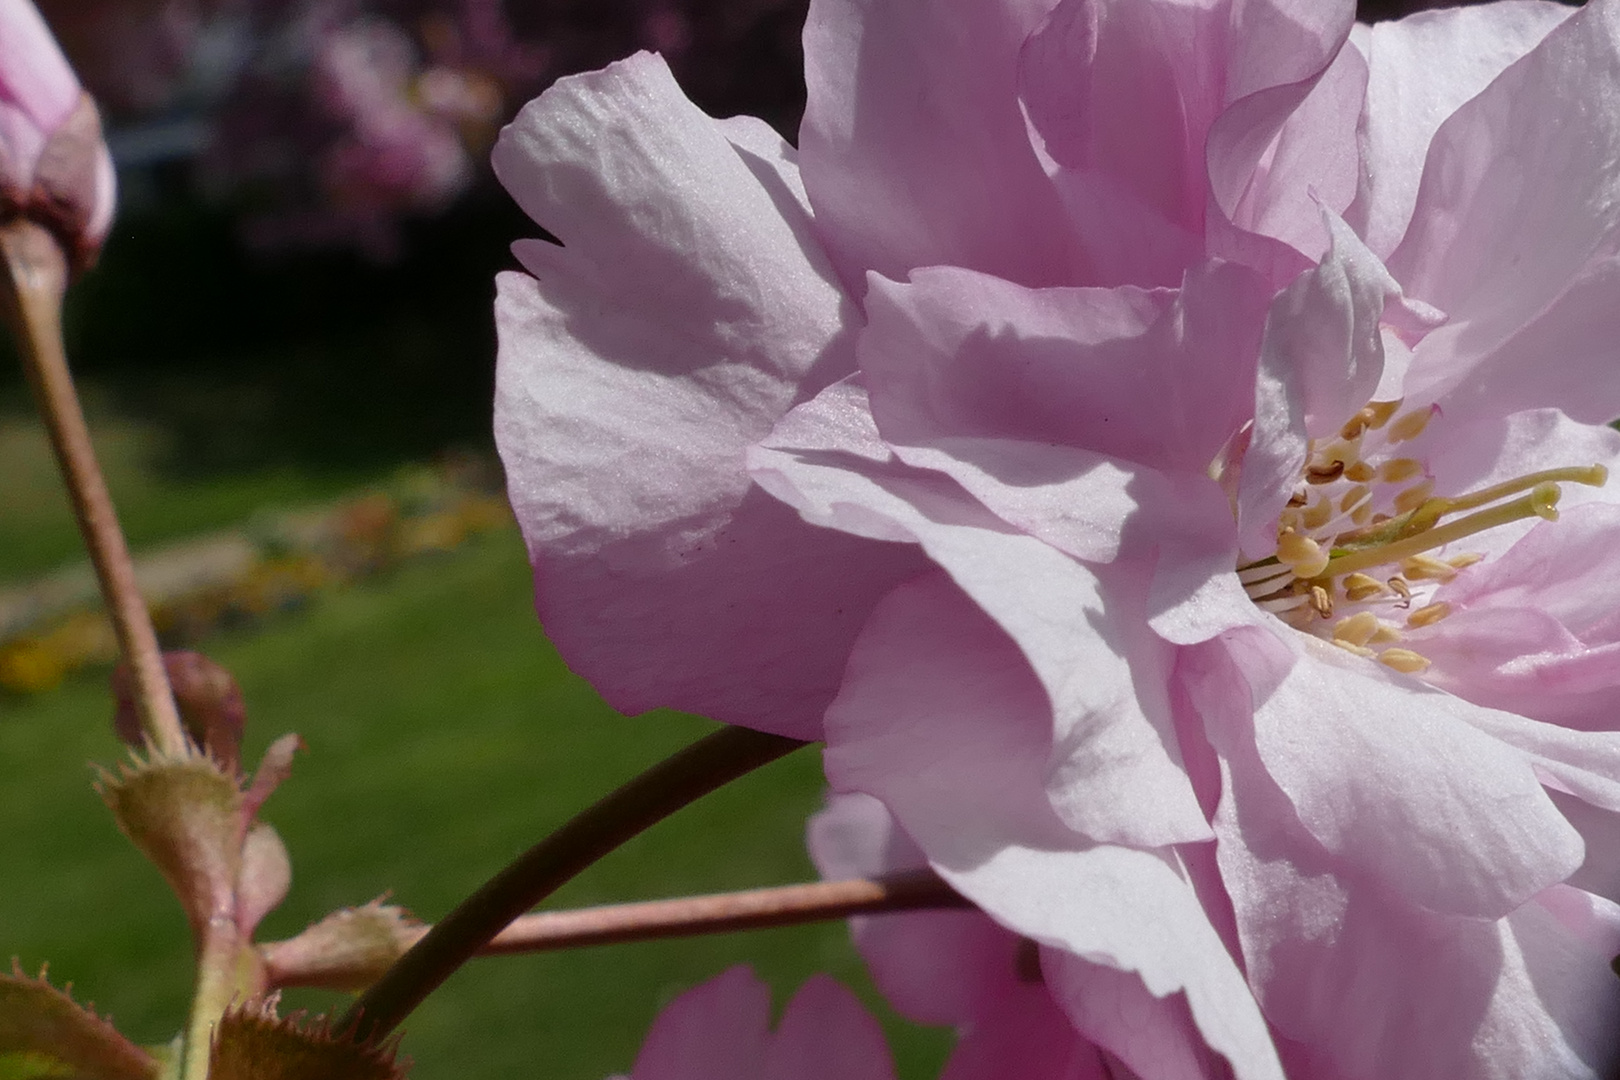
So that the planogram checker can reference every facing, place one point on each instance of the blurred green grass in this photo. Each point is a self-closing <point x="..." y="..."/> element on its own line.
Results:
<point x="444" y="735"/>
<point x="37" y="532"/>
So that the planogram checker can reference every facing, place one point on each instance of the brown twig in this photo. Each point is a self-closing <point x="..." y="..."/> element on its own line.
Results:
<point x="683" y="778"/>
<point x="33" y="280"/>
<point x="718" y="913"/>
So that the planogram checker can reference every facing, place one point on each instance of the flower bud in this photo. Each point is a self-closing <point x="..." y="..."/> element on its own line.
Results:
<point x="54" y="166"/>
<point x="209" y="699"/>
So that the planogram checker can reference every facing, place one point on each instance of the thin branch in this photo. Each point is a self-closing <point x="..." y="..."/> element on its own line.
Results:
<point x="720" y="913"/>
<point x="679" y="780"/>
<point x="33" y="280"/>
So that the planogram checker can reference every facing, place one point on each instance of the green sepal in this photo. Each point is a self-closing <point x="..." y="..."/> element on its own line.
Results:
<point x="252" y="1043"/>
<point x="185" y="813"/>
<point x="347" y="950"/>
<point x="45" y="1033"/>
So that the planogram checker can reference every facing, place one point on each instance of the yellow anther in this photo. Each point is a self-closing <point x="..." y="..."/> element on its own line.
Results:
<point x="1358" y="629"/>
<point x="1359" y="650"/>
<point x="1322" y="601"/>
<point x="1354" y="497"/>
<point x="1360" y="472"/>
<point x="1317" y="515"/>
<point x="1362" y="514"/>
<point x="1379" y="412"/>
<point x="1414" y="497"/>
<point x="1398" y="469"/>
<point x="1359" y="587"/>
<point x="1410" y="426"/>
<point x="1404" y="660"/>
<point x="1428" y="615"/>
<point x="1402" y="589"/>
<point x="1465" y="560"/>
<point x="1304" y="555"/>
<point x="1324" y="473"/>
<point x="1427" y="568"/>
<point x="1385" y="634"/>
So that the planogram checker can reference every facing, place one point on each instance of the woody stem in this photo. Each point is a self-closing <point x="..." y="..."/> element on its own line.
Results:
<point x="33" y="280"/>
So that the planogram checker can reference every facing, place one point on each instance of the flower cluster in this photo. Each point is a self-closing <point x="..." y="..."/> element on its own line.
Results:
<point x="1160" y="447"/>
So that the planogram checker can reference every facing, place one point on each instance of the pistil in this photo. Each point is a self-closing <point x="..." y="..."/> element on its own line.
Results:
<point x="1362" y="532"/>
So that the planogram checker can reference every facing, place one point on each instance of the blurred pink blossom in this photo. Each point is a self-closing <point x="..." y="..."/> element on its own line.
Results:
<point x="1022" y="1010"/>
<point x="53" y="163"/>
<point x="721" y="1030"/>
<point x="1174" y="402"/>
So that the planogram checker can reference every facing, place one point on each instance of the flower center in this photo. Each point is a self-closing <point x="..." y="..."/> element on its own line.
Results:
<point x="1361" y="544"/>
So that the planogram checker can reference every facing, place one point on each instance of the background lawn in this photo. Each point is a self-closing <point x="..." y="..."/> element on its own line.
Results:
<point x="444" y="736"/>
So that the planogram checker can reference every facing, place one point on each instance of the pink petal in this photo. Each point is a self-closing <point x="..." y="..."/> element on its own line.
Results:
<point x="1562" y="358"/>
<point x="1422" y="69"/>
<point x="1156" y="377"/>
<point x="1024" y="1036"/>
<point x="1320" y="360"/>
<point x="934" y="967"/>
<point x="1369" y="984"/>
<point x="632" y="376"/>
<point x="35" y="78"/>
<point x="940" y="719"/>
<point x="1511" y="208"/>
<point x="915" y="151"/>
<point x="826" y="1033"/>
<point x="1314" y="161"/>
<point x="1116" y="773"/>
<point x="1398" y="783"/>
<point x="1121" y="100"/>
<point x="714" y="1031"/>
<point x="1153" y="1036"/>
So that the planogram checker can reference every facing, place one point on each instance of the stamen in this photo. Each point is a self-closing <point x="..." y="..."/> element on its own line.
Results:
<point x="1379" y="412"/>
<point x="1414" y="497"/>
<point x="1404" y="660"/>
<point x="1402" y="589"/>
<point x="1358" y="629"/>
<point x="1427" y="568"/>
<point x="1429" y="615"/>
<point x="1359" y="587"/>
<point x="1303" y="554"/>
<point x="1321" y="601"/>
<point x="1384" y="634"/>
<point x="1358" y="650"/>
<point x="1359" y="472"/>
<point x="1465" y="560"/>
<point x="1542" y="502"/>
<point x="1324" y="474"/>
<point x="1411" y="425"/>
<point x="1395" y="470"/>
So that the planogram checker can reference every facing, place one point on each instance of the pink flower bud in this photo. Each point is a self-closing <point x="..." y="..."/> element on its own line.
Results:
<point x="54" y="166"/>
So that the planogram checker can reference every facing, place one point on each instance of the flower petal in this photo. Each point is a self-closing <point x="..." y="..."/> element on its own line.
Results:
<point x="1115" y="772"/>
<point x="1421" y="70"/>
<point x="1024" y="1035"/>
<point x="934" y="967"/>
<point x="1512" y="208"/>
<point x="939" y="718"/>
<point x="915" y="151"/>
<point x="715" y="1031"/>
<point x="688" y="311"/>
<point x="1430" y="994"/>
<point x="1399" y="783"/>
<point x="1156" y="377"/>
<point x="1152" y="1035"/>
<point x="825" y="1032"/>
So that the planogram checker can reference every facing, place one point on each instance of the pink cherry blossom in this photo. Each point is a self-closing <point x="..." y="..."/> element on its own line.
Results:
<point x="53" y="164"/>
<point x="721" y="1031"/>
<point x="1023" y="1010"/>
<point x="1195" y="418"/>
